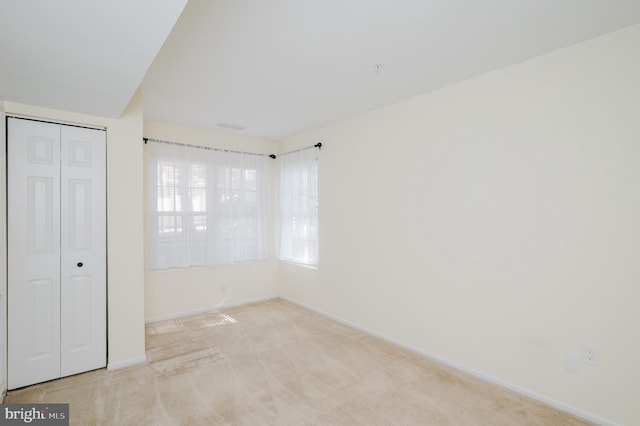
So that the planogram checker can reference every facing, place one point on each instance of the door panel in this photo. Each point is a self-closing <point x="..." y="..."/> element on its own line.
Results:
<point x="83" y="253"/>
<point x="79" y="314"/>
<point x="79" y="214"/>
<point x="33" y="190"/>
<point x="40" y="213"/>
<point x="40" y="327"/>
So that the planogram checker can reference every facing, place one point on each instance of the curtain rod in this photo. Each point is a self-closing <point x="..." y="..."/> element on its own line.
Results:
<point x="318" y="145"/>
<point x="208" y="148"/>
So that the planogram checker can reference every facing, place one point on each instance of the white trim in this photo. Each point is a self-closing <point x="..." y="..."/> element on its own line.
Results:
<point x="3" y="258"/>
<point x="300" y="264"/>
<point x="486" y="377"/>
<point x="127" y="363"/>
<point x="53" y="121"/>
<point x="208" y="309"/>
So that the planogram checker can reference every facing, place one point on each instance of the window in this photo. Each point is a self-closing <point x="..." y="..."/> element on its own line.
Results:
<point x="205" y="207"/>
<point x="298" y="207"/>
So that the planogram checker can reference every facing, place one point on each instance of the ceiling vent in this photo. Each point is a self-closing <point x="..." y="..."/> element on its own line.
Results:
<point x="231" y="126"/>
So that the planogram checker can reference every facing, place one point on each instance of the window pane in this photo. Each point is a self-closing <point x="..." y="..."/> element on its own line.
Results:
<point x="168" y="225"/>
<point x="198" y="199"/>
<point x="200" y="224"/>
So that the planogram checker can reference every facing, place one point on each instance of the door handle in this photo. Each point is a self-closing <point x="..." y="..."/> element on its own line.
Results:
<point x="80" y="264"/>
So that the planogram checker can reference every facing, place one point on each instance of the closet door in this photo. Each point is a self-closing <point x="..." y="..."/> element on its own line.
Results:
<point x="57" y="251"/>
<point x="83" y="287"/>
<point x="33" y="232"/>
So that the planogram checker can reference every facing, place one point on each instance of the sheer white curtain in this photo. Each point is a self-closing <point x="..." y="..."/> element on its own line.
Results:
<point x="204" y="207"/>
<point x="238" y="207"/>
<point x="297" y="207"/>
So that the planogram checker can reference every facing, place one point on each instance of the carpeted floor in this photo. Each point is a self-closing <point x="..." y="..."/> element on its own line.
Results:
<point x="274" y="363"/>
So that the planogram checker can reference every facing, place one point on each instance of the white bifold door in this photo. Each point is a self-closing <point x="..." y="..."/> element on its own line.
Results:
<point x="56" y="202"/>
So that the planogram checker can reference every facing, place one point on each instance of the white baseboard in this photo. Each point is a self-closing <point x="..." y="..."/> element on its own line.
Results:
<point x="486" y="377"/>
<point x="209" y="309"/>
<point x="127" y="363"/>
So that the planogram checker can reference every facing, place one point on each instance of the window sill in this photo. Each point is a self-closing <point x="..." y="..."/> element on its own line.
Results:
<point x="299" y="264"/>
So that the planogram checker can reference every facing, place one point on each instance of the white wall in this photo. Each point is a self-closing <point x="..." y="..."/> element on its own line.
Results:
<point x="182" y="291"/>
<point x="495" y="224"/>
<point x="125" y="268"/>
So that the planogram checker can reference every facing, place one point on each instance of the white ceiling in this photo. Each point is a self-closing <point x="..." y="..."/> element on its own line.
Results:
<point x="284" y="66"/>
<point x="78" y="55"/>
<point x="277" y="67"/>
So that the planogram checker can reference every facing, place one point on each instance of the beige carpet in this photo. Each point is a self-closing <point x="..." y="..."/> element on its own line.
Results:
<point x="274" y="363"/>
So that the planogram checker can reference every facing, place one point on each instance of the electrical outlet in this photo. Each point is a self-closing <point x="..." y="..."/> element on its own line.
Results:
<point x="590" y="354"/>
